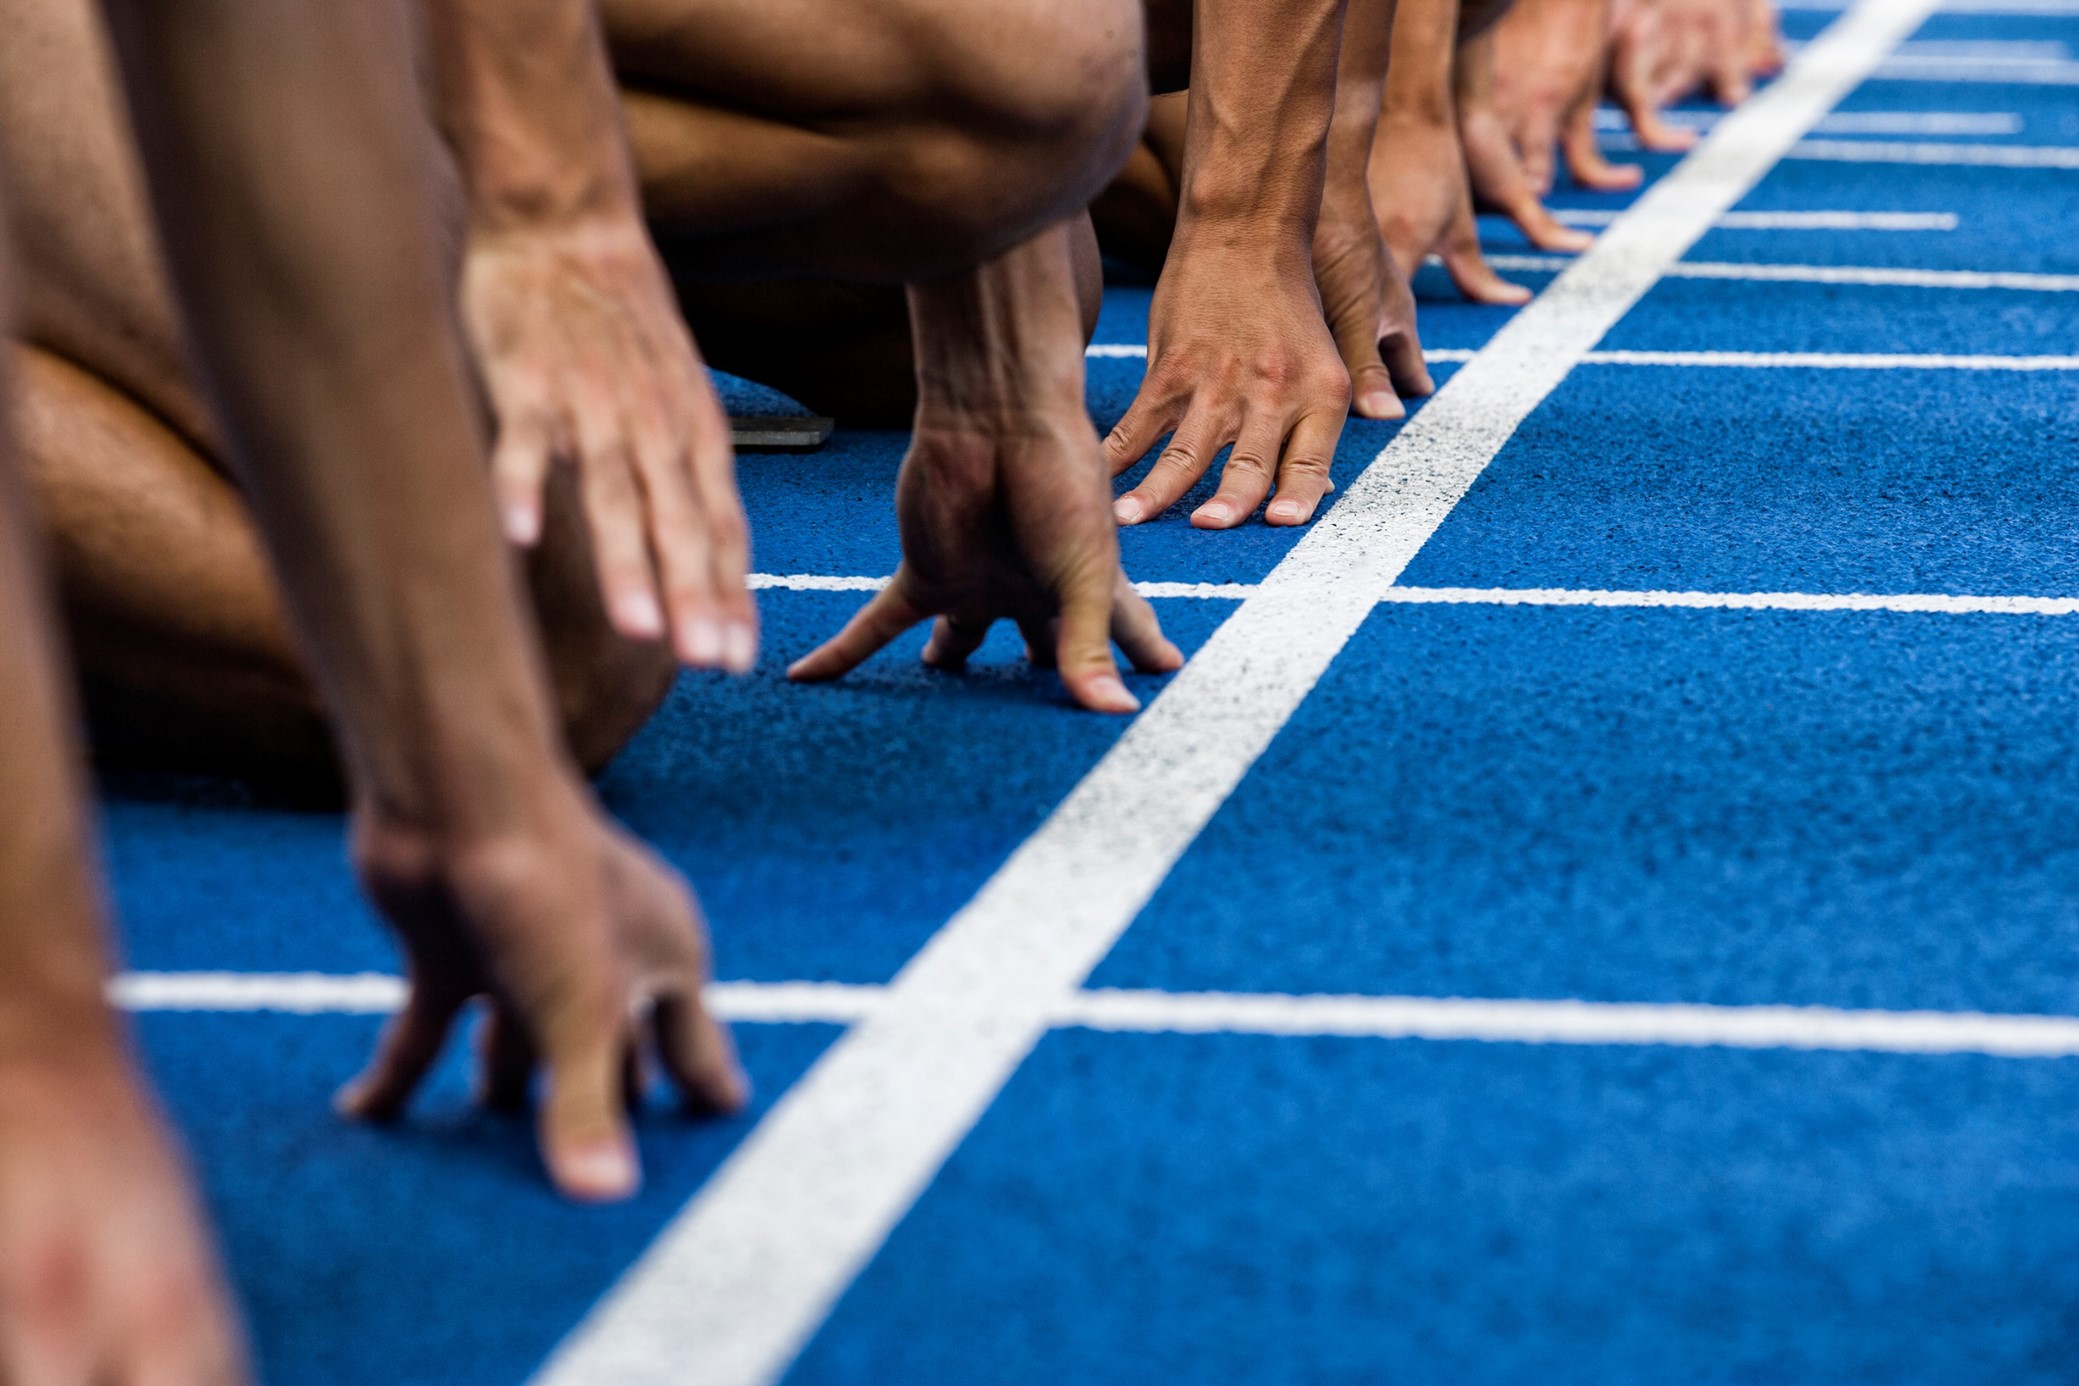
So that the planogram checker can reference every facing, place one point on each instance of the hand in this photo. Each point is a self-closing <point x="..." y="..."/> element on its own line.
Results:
<point x="1238" y="352"/>
<point x="1008" y="519"/>
<point x="1650" y="56"/>
<point x="1494" y="168"/>
<point x="587" y="361"/>
<point x="106" y="1273"/>
<point x="585" y="946"/>
<point x="1547" y="72"/>
<point x="1369" y="309"/>
<point x="1425" y="207"/>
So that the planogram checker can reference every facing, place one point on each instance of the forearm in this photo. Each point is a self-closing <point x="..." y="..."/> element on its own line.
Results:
<point x="1255" y="148"/>
<point x="1002" y="343"/>
<point x="525" y="97"/>
<point x="1359" y="95"/>
<point x="292" y="179"/>
<point x="53" y="959"/>
<point x="1418" y="84"/>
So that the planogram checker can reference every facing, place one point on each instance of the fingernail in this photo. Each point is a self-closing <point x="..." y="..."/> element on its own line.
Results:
<point x="740" y="648"/>
<point x="701" y="642"/>
<point x="602" y="1171"/>
<point x="1110" y="695"/>
<point x="1289" y="512"/>
<point x="1128" y="510"/>
<point x="522" y="524"/>
<point x="1214" y="512"/>
<point x="638" y="615"/>
<point x="1381" y="404"/>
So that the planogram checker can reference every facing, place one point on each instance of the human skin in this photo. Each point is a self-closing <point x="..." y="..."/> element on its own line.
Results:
<point x="288" y="169"/>
<point x="132" y="475"/>
<point x="177" y="623"/>
<point x="106" y="1271"/>
<point x="575" y="332"/>
<point x="1239" y="351"/>
<point x="1547" y="71"/>
<point x="1003" y="497"/>
<point x="1494" y="166"/>
<point x="1663" y="50"/>
<point x="1418" y="166"/>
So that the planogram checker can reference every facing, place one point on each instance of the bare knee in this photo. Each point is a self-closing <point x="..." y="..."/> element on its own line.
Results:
<point x="1037" y="109"/>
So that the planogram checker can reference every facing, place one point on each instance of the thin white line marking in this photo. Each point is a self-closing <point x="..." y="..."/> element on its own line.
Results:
<point x="1135" y="351"/>
<point x="734" y="1287"/>
<point x="1927" y="602"/>
<point x="1578" y="1022"/>
<point x="376" y="993"/>
<point x="1832" y="361"/>
<point x="1955" y="155"/>
<point x="1903" y="152"/>
<point x="1743" y="360"/>
<point x="1852" y="122"/>
<point x="1918" y="602"/>
<point x="1831" y="274"/>
<point x="1796" y="221"/>
<point x="295" y="993"/>
<point x="1380" y="1017"/>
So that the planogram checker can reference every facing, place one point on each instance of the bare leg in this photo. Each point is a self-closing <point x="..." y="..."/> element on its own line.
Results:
<point x="182" y="644"/>
<point x="837" y="151"/>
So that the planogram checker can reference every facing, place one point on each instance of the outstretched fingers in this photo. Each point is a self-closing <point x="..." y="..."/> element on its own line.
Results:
<point x="1585" y="163"/>
<point x="1303" y="477"/>
<point x="698" y="1054"/>
<point x="889" y="614"/>
<point x="1467" y="265"/>
<point x="1137" y="632"/>
<point x="1182" y="463"/>
<point x="409" y="1046"/>
<point x="1246" y="479"/>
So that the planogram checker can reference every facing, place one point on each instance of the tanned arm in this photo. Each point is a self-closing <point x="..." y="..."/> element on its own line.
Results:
<point x="1238" y="349"/>
<point x="291" y="173"/>
<point x="575" y="328"/>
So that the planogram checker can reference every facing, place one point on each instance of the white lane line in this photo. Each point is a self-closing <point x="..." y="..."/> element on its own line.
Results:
<point x="812" y="582"/>
<point x="2020" y="7"/>
<point x="1379" y="1017"/>
<point x="376" y="993"/>
<point x="820" y="582"/>
<point x="1930" y="602"/>
<point x="1833" y="361"/>
<point x="1795" y="221"/>
<point x="1578" y="1022"/>
<point x="1743" y="360"/>
<point x="1950" y="155"/>
<point x="1830" y="274"/>
<point x="2016" y="71"/>
<point x="294" y="993"/>
<point x="734" y="1287"/>
<point x="1917" y="602"/>
<point x="1851" y="122"/>
<point x="1903" y="152"/>
<point x="1137" y="351"/>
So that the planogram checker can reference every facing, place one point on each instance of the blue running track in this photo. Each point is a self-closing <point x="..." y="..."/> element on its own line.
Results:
<point x="1564" y="767"/>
